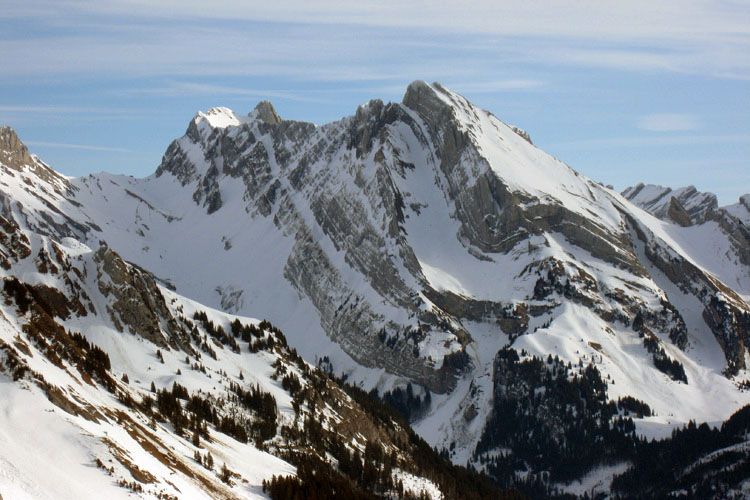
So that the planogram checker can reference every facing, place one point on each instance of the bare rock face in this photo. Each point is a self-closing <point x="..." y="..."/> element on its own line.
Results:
<point x="137" y="304"/>
<point x="284" y="163"/>
<point x="493" y="217"/>
<point x="13" y="153"/>
<point x="745" y="201"/>
<point x="687" y="207"/>
<point x="678" y="214"/>
<point x="522" y="133"/>
<point x="267" y="113"/>
<point x="725" y="312"/>
<point x="658" y="201"/>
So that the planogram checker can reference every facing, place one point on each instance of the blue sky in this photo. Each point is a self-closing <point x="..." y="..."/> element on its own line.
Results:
<point x="622" y="91"/>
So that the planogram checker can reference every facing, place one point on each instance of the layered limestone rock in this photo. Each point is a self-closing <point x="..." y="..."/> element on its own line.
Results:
<point x="342" y="187"/>
<point x="725" y="311"/>
<point x="658" y="201"/>
<point x="687" y="206"/>
<point x="274" y="159"/>
<point x="494" y="218"/>
<point x="13" y="153"/>
<point x="136" y="303"/>
<point x="267" y="114"/>
<point x="678" y="214"/>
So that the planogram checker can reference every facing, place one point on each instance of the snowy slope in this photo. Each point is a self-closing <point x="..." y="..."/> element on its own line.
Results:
<point x="87" y="425"/>
<point x="74" y="426"/>
<point x="741" y="209"/>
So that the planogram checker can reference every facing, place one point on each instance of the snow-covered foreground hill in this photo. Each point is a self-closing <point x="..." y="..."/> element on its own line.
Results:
<point x="419" y="243"/>
<point x="112" y="386"/>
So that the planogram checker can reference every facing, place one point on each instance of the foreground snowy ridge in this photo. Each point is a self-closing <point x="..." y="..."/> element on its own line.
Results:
<point x="112" y="386"/>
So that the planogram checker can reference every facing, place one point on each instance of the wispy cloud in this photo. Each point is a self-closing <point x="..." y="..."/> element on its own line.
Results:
<point x="77" y="146"/>
<point x="652" y="141"/>
<point x="480" y="87"/>
<point x="669" y="122"/>
<point x="684" y="20"/>
<point x="179" y="89"/>
<point x="78" y="113"/>
<point x="50" y="109"/>
<point x="340" y="40"/>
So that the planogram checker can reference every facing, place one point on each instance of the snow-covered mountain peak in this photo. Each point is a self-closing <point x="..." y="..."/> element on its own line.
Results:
<point x="476" y="146"/>
<point x="221" y="117"/>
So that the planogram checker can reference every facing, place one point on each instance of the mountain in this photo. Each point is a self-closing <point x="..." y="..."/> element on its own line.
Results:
<point x="688" y="207"/>
<point x="668" y="204"/>
<point x="511" y="308"/>
<point x="113" y="386"/>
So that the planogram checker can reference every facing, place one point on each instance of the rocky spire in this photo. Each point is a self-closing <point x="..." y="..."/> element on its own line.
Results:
<point x="13" y="153"/>
<point x="423" y="98"/>
<point x="267" y="113"/>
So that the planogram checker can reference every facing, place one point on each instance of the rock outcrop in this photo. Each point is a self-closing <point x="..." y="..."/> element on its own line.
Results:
<point x="658" y="201"/>
<point x="136" y="303"/>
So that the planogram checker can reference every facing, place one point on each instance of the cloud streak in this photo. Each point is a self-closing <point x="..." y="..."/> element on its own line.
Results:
<point x="85" y="147"/>
<point x="336" y="40"/>
<point x="653" y="141"/>
<point x="636" y="20"/>
<point x="669" y="122"/>
<point x="178" y="89"/>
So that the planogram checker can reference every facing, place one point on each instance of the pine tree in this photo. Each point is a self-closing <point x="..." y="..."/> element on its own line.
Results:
<point x="226" y="474"/>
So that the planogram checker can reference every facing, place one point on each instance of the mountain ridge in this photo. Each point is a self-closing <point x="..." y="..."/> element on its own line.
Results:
<point x="115" y="386"/>
<point x="426" y="236"/>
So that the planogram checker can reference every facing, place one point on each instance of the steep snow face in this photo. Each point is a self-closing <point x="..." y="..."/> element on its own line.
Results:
<point x="741" y="209"/>
<point x="716" y="231"/>
<point x="411" y="241"/>
<point x="526" y="171"/>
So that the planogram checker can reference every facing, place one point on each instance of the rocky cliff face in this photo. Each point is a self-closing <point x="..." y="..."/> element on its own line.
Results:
<point x="663" y="202"/>
<point x="412" y="241"/>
